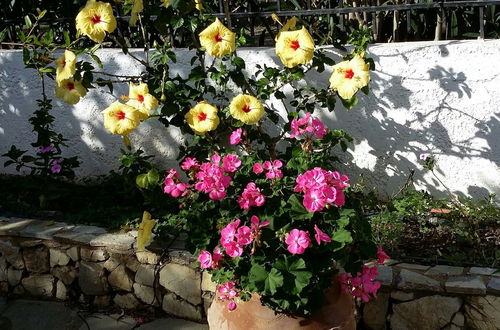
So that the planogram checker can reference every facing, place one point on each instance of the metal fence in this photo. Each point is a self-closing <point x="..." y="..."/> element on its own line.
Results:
<point x="389" y="21"/>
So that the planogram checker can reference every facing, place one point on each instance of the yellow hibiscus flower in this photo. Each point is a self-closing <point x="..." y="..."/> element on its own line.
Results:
<point x="198" y="5"/>
<point x="121" y="118"/>
<point x="139" y="98"/>
<point x="65" y="66"/>
<point x="290" y="24"/>
<point x="217" y="39"/>
<point x="202" y="118"/>
<point x="137" y="8"/>
<point x="70" y="91"/>
<point x="166" y="3"/>
<point x="144" y="234"/>
<point x="350" y="76"/>
<point x="295" y="47"/>
<point x="95" y="19"/>
<point x="246" y="108"/>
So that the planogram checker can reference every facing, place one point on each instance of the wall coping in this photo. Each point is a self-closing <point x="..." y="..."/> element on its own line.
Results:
<point x="393" y="274"/>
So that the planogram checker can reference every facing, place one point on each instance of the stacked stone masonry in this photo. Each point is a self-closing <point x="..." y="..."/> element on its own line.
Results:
<point x="87" y="264"/>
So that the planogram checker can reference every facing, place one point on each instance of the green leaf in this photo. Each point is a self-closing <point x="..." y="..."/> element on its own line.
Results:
<point x="153" y="177"/>
<point x="273" y="281"/>
<point x="351" y="103"/>
<point x="302" y="279"/>
<point x="142" y="180"/>
<point x="297" y="210"/>
<point x="261" y="280"/>
<point x="342" y="236"/>
<point x="28" y="22"/>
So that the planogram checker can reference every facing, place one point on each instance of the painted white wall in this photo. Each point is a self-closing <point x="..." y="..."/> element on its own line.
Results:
<point x="437" y="97"/>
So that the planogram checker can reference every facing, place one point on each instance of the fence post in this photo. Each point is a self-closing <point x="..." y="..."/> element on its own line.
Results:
<point x="481" y="22"/>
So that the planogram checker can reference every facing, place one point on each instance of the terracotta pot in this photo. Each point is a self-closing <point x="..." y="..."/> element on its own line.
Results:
<point x="337" y="313"/>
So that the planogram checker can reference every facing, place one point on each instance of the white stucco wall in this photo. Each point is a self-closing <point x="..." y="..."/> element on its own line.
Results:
<point x="436" y="97"/>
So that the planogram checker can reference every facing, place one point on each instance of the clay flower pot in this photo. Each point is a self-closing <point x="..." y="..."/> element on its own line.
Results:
<point x="337" y="313"/>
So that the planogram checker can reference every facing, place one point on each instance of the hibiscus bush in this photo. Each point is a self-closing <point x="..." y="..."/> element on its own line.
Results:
<point x="258" y="192"/>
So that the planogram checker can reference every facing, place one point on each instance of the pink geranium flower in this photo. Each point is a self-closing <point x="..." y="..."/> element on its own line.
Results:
<point x="298" y="241"/>
<point x="381" y="255"/>
<point x="173" y="186"/>
<point x="363" y="285"/>
<point x="320" y="236"/>
<point x="235" y="137"/>
<point x="424" y="156"/>
<point x="228" y="233"/>
<point x="231" y="306"/>
<point x="231" y="163"/>
<point x="56" y="167"/>
<point x="46" y="149"/>
<point x="251" y="196"/>
<point x="256" y="225"/>
<point x="244" y="235"/>
<point x="273" y="169"/>
<point x="257" y="168"/>
<point x="227" y="292"/>
<point x="190" y="163"/>
<point x="205" y="259"/>
<point x="233" y="249"/>
<point x="307" y="127"/>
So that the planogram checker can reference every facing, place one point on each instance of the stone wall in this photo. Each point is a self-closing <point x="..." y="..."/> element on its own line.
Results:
<point x="425" y="97"/>
<point x="87" y="264"/>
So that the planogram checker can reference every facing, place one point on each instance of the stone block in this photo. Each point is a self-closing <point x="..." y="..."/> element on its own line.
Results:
<point x="145" y="275"/>
<point x="89" y="230"/>
<point x="74" y="253"/>
<point x="102" y="302"/>
<point x="92" y="278"/>
<point x="111" y="264"/>
<point x="427" y="313"/>
<point x="66" y="274"/>
<point x="207" y="297"/>
<point x="409" y="280"/>
<point x="494" y="285"/>
<point x="4" y="287"/>
<point x="12" y="254"/>
<point x="72" y="237"/>
<point x="39" y="285"/>
<point x="14" y="227"/>
<point x="375" y="312"/>
<point x="147" y="257"/>
<point x="147" y="294"/>
<point x="44" y="229"/>
<point x="93" y="254"/>
<point x="121" y="279"/>
<point x="482" y="313"/>
<point x="470" y="284"/>
<point x="445" y="270"/>
<point x="402" y="296"/>
<point x="14" y="276"/>
<point x="206" y="282"/>
<point x="413" y="266"/>
<point x="458" y="319"/>
<point x="3" y="269"/>
<point x="117" y="241"/>
<point x="36" y="259"/>
<point x="181" y="308"/>
<point x="61" y="291"/>
<point x="126" y="301"/>
<point x="58" y="257"/>
<point x="384" y="275"/>
<point x="482" y="271"/>
<point x="183" y="281"/>
<point x="132" y="263"/>
<point x="181" y="257"/>
<point x="31" y="242"/>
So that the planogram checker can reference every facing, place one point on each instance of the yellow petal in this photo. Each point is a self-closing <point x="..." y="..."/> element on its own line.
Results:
<point x="166" y="3"/>
<point x="202" y="118"/>
<point x="246" y="108"/>
<point x="121" y="118"/>
<point x="70" y="91"/>
<point x="145" y="232"/>
<point x="95" y="19"/>
<point x="217" y="39"/>
<point x="137" y="8"/>
<point x="295" y="47"/>
<point x="349" y="76"/>
<point x="65" y="66"/>
<point x="290" y="24"/>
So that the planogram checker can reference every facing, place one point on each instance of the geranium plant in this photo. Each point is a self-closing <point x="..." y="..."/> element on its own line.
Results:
<point x="265" y="211"/>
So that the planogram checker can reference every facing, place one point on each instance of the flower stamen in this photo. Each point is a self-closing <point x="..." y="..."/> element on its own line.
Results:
<point x="218" y="38"/>
<point x="202" y="116"/>
<point x="96" y="19"/>
<point x="349" y="74"/>
<point x="295" y="44"/>
<point x="121" y="115"/>
<point x="246" y="108"/>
